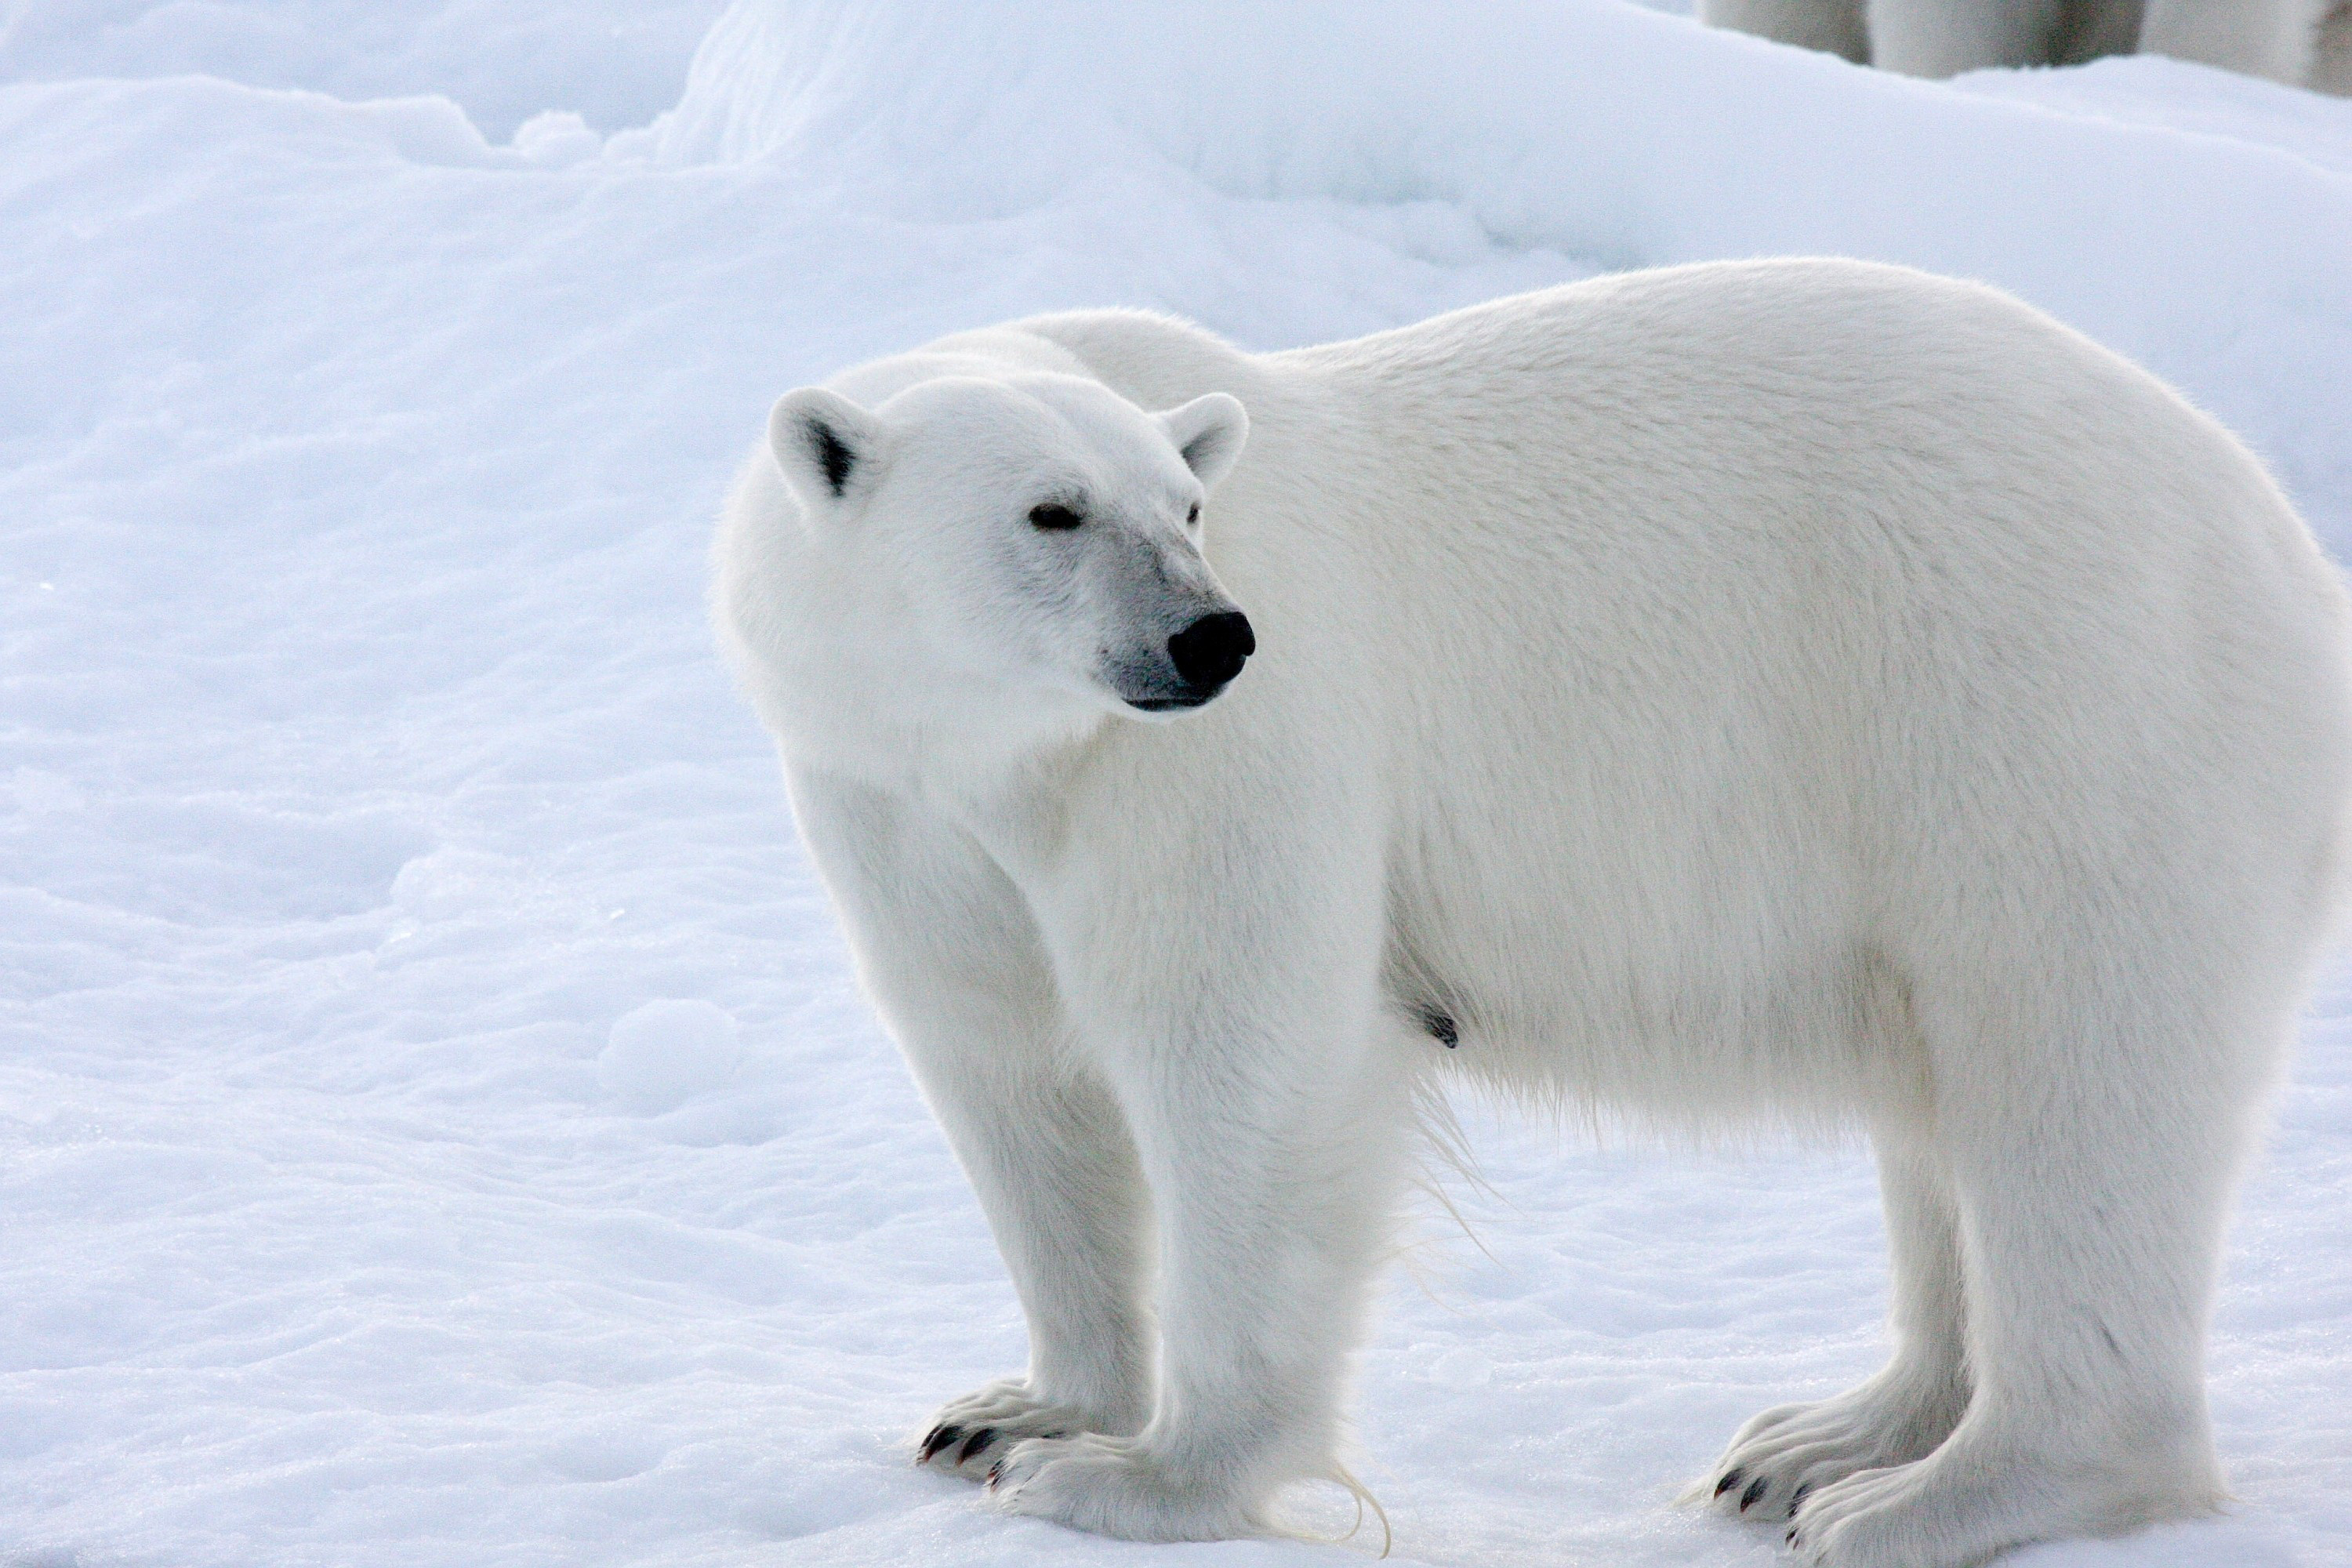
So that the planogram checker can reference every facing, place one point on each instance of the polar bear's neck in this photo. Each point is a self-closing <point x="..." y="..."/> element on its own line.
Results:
<point x="1004" y="786"/>
<point x="869" y="714"/>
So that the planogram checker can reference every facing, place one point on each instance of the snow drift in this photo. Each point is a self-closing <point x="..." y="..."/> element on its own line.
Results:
<point x="1601" y="130"/>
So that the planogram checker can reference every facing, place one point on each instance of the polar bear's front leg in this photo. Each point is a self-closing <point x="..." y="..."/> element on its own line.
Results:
<point x="1833" y="26"/>
<point x="1268" y="1244"/>
<point x="1945" y="37"/>
<point x="1269" y="1108"/>
<point x="948" y="949"/>
<point x="1057" y="1175"/>
<point x="2274" y="38"/>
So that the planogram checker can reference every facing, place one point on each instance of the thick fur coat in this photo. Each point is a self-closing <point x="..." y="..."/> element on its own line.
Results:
<point x="1804" y="691"/>
<point x="2290" y="41"/>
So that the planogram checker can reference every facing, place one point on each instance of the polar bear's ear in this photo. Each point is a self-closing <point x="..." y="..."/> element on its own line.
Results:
<point x="1209" y="432"/>
<point x="826" y="446"/>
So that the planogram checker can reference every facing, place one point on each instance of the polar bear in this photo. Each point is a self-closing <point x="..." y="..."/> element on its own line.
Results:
<point x="1802" y="691"/>
<point x="2281" y="40"/>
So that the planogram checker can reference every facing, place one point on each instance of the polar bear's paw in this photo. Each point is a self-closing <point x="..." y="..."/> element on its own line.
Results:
<point x="1111" y="1486"/>
<point x="970" y="1434"/>
<point x="1958" y="1507"/>
<point x="1787" y="1455"/>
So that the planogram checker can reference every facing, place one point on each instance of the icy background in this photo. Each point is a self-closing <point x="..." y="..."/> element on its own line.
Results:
<point x="436" y="1125"/>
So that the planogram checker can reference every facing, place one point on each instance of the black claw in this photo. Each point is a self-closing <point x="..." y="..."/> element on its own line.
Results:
<point x="975" y="1443"/>
<point x="940" y="1437"/>
<point x="995" y="1474"/>
<point x="1053" y="1437"/>
<point x="1797" y="1497"/>
<point x="1793" y="1537"/>
<point x="1728" y="1481"/>
<point x="1755" y="1489"/>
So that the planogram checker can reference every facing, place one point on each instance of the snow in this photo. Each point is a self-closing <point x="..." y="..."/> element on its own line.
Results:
<point x="614" y="62"/>
<point x="436" y="1124"/>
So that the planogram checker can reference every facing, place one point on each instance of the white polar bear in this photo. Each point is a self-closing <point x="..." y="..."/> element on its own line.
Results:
<point x="1803" y="690"/>
<point x="2281" y="40"/>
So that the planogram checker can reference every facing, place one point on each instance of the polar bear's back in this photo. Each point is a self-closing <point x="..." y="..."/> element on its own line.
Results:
<point x="1765" y="456"/>
<point x="1804" y="616"/>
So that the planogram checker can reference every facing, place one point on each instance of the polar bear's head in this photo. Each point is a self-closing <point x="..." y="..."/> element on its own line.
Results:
<point x="1028" y="531"/>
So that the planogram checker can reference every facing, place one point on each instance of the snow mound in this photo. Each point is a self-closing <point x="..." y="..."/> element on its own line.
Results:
<point x="662" y="1054"/>
<point x="616" y="62"/>
<point x="1602" y="130"/>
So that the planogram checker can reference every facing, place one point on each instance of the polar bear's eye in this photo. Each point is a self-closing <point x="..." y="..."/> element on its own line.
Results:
<point x="1053" y="514"/>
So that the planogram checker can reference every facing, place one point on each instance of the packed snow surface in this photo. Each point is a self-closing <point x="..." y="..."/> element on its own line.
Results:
<point x="436" y="1123"/>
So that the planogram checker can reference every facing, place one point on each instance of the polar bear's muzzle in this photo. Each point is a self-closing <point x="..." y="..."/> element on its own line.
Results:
<point x="1203" y="658"/>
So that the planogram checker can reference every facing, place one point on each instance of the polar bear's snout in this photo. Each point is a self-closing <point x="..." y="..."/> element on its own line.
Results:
<point x="1171" y="638"/>
<point x="1190" y="667"/>
<point x="1212" y="650"/>
<point x="1206" y="657"/>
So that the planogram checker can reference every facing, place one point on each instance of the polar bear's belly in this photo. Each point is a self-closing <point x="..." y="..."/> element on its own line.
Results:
<point x="1682" y="989"/>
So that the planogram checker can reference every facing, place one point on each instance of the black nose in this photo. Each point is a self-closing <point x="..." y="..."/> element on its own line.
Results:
<point x="1209" y="651"/>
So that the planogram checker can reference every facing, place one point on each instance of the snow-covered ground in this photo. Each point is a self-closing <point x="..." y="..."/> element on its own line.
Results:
<point x="436" y="1123"/>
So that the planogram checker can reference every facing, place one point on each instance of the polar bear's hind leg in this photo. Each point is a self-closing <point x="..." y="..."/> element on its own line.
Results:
<point x="2093" y="1142"/>
<point x="1785" y="1455"/>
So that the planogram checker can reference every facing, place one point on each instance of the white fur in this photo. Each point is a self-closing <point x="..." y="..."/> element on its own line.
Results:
<point x="2274" y="38"/>
<point x="2281" y="40"/>
<point x="1802" y="689"/>
<point x="1833" y="27"/>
